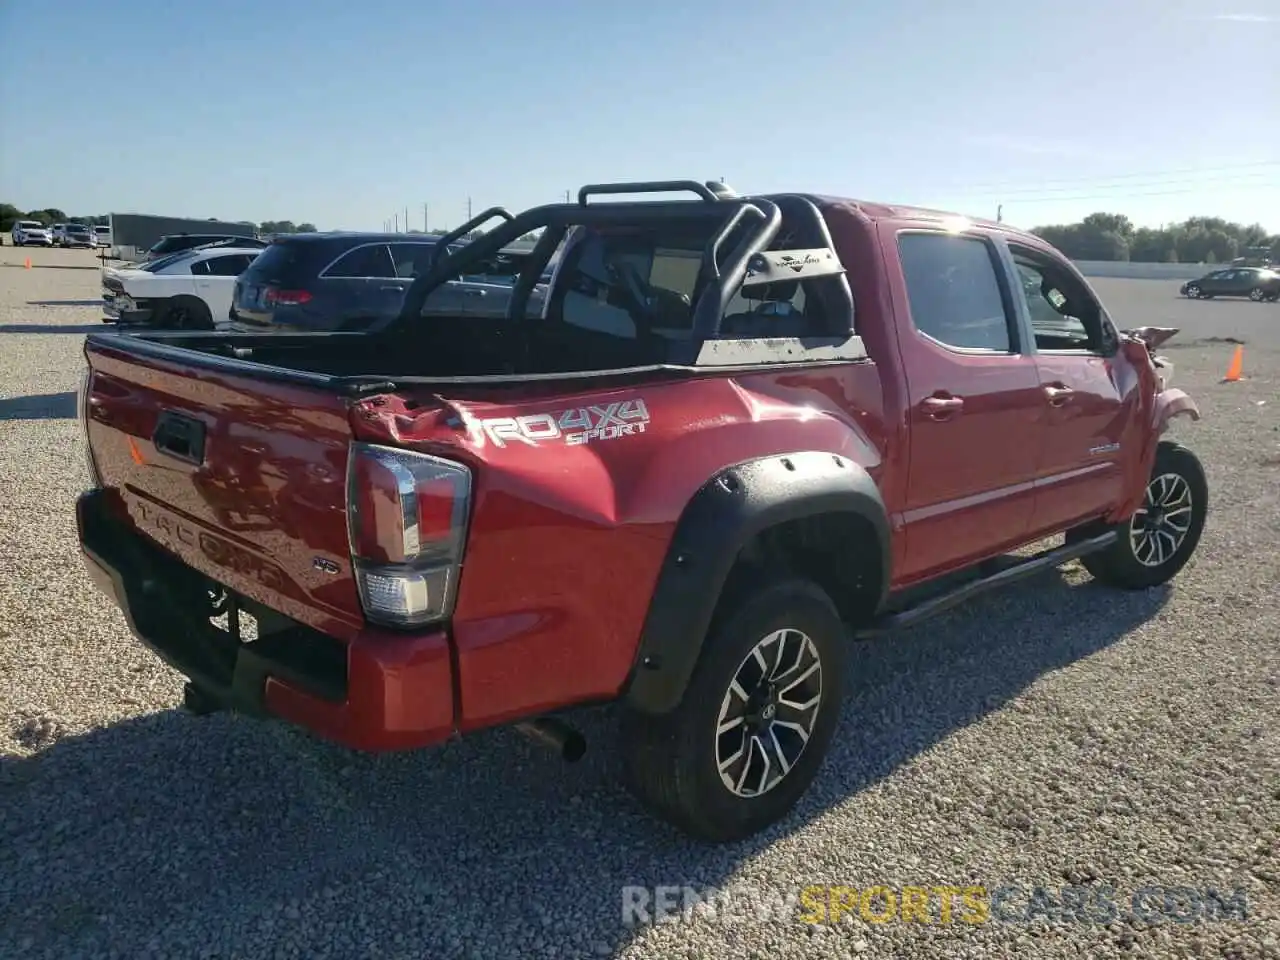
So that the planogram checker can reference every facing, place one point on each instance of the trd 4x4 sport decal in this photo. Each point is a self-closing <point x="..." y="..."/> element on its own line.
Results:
<point x="575" y="426"/>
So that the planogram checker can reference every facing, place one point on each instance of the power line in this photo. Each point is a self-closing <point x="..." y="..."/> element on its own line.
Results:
<point x="1124" y="196"/>
<point x="1239" y="179"/>
<point x="1220" y="169"/>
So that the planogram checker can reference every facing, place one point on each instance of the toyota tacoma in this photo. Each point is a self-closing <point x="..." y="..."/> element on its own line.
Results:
<point x="740" y="434"/>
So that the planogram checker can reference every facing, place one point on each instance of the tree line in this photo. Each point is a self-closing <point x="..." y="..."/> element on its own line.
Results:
<point x="1112" y="236"/>
<point x="48" y="216"/>
<point x="1099" y="236"/>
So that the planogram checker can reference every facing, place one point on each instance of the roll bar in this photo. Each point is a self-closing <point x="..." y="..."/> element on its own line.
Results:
<point x="748" y="263"/>
<point x="458" y="233"/>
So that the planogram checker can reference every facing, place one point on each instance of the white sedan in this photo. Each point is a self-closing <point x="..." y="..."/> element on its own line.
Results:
<point x="190" y="290"/>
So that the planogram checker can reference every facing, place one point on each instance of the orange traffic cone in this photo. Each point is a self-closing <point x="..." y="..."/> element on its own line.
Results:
<point x="1235" y="367"/>
<point x="27" y="264"/>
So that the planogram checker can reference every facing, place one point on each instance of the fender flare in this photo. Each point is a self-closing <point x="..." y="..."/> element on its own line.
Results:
<point x="718" y="521"/>
<point x="1169" y="404"/>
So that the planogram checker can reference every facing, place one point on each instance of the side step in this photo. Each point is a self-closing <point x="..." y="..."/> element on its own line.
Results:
<point x="1029" y="567"/>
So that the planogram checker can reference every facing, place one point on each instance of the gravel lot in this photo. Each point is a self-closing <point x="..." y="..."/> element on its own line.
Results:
<point x="1051" y="735"/>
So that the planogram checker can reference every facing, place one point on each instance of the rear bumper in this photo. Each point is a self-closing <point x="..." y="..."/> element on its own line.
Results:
<point x="381" y="691"/>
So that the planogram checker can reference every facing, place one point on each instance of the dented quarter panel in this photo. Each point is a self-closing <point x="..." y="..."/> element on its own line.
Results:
<point x="567" y="537"/>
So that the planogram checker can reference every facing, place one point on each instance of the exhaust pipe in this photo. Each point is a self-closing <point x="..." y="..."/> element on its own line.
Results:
<point x="557" y="735"/>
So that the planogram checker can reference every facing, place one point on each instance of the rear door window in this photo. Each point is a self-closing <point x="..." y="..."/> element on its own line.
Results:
<point x="369" y="261"/>
<point x="410" y="258"/>
<point x="954" y="291"/>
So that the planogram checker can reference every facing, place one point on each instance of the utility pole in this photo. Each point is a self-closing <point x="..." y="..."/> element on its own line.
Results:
<point x="468" y="208"/>
<point x="425" y="227"/>
<point x="566" y="196"/>
<point x="1000" y="213"/>
<point x="397" y="223"/>
<point x="406" y="219"/>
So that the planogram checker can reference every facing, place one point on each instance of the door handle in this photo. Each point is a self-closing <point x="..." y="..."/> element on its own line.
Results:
<point x="941" y="407"/>
<point x="392" y="286"/>
<point x="475" y="293"/>
<point x="1058" y="395"/>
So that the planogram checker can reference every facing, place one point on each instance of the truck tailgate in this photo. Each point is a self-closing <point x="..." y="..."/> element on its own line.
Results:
<point x="243" y="479"/>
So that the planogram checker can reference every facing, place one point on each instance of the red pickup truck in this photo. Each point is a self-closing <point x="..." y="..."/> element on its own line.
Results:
<point x="742" y="432"/>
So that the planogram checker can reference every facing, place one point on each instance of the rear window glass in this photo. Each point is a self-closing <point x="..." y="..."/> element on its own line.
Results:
<point x="173" y="244"/>
<point x="278" y="263"/>
<point x="161" y="262"/>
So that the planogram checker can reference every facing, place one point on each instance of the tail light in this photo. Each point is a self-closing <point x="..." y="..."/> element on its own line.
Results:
<point x="275" y="297"/>
<point x="407" y="517"/>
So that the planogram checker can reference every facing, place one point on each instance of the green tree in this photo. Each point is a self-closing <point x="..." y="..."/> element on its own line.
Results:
<point x="1111" y="236"/>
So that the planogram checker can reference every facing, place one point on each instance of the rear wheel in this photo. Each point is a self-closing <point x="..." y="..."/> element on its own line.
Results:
<point x="1257" y="294"/>
<point x="186" y="313"/>
<point x="1159" y="539"/>
<point x="1193" y="292"/>
<point x="753" y="728"/>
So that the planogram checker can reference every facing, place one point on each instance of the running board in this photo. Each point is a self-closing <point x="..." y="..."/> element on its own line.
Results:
<point x="1029" y="567"/>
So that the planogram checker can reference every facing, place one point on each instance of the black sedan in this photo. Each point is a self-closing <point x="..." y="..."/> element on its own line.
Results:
<point x="1256" y="283"/>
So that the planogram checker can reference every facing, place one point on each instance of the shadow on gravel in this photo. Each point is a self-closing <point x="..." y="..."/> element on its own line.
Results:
<point x="95" y="302"/>
<point x="232" y="837"/>
<point x="39" y="406"/>
<point x="80" y="328"/>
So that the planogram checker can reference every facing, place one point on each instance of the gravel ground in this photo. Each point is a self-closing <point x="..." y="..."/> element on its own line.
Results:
<point x="1057" y="734"/>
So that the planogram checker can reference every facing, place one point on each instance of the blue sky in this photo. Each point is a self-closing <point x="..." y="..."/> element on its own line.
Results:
<point x="343" y="112"/>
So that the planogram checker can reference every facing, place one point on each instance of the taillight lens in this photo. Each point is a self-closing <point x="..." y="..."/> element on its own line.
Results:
<point x="275" y="297"/>
<point x="407" y="517"/>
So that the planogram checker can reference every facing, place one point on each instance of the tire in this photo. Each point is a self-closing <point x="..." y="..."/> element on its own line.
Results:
<point x="672" y="763"/>
<point x="186" y="313"/>
<point x="1193" y="292"/>
<point x="1257" y="294"/>
<point x="1137" y="562"/>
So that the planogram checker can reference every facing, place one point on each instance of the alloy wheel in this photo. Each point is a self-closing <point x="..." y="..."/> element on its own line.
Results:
<point x="1161" y="524"/>
<point x="768" y="713"/>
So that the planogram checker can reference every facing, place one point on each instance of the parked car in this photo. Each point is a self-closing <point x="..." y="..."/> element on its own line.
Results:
<point x="177" y="242"/>
<point x="312" y="282"/>
<point x="183" y="291"/>
<point x="102" y="236"/>
<point x="31" y="233"/>
<point x="58" y="231"/>
<point x="1256" y="283"/>
<point x="78" y="235"/>
<point x="679" y="488"/>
